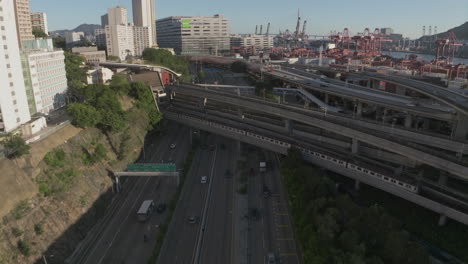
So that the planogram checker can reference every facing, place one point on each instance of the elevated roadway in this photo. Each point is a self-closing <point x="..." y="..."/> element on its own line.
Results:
<point x="282" y="147"/>
<point x="366" y="95"/>
<point x="300" y="115"/>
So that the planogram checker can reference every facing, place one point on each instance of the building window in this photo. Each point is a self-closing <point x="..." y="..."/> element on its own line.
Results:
<point x="18" y="120"/>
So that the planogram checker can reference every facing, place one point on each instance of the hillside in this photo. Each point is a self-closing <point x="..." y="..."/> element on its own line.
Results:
<point x="461" y="32"/>
<point x="88" y="29"/>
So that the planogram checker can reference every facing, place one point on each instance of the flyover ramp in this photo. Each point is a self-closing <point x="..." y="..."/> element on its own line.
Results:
<point x="438" y="93"/>
<point x="303" y="116"/>
<point x="365" y="95"/>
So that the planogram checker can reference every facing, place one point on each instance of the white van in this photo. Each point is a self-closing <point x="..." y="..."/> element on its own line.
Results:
<point x="145" y="211"/>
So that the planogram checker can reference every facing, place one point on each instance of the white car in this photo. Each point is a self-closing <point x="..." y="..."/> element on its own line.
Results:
<point x="204" y="179"/>
<point x="172" y="146"/>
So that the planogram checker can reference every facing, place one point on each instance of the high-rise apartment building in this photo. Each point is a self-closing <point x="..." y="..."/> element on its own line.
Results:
<point x="23" y="21"/>
<point x="144" y="15"/>
<point x="141" y="39"/>
<point x="194" y="34"/>
<point x="44" y="72"/>
<point x="104" y="20"/>
<point x="100" y="34"/>
<point x="39" y="20"/>
<point x="14" y="109"/>
<point x="74" y="38"/>
<point x="120" y="41"/>
<point x="117" y="16"/>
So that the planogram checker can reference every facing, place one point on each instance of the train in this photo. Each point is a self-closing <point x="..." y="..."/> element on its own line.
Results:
<point x="406" y="185"/>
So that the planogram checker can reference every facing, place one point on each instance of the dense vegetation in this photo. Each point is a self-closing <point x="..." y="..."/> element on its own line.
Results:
<point x="38" y="33"/>
<point x="331" y="228"/>
<point x="15" y="146"/>
<point x="239" y="67"/>
<point x="165" y="58"/>
<point x="59" y="42"/>
<point x="76" y="73"/>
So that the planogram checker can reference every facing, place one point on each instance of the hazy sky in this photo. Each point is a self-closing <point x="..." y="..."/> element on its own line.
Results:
<point x="404" y="16"/>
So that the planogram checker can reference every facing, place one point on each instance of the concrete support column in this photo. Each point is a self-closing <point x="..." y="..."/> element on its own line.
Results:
<point x="289" y="125"/>
<point x="240" y="112"/>
<point x="357" y="185"/>
<point x="327" y="99"/>
<point x="409" y="121"/>
<point x="461" y="129"/>
<point x="355" y="146"/>
<point x="359" y="109"/>
<point x="442" y="220"/>
<point x="443" y="178"/>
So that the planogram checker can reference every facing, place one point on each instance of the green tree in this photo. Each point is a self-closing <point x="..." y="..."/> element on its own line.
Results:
<point x="59" y="42"/>
<point x="239" y="67"/>
<point x="15" y="146"/>
<point x="113" y="58"/>
<point x="38" y="33"/>
<point x="145" y="101"/>
<point x="119" y="84"/>
<point x="83" y="115"/>
<point x="112" y="121"/>
<point x="165" y="58"/>
<point x="201" y="76"/>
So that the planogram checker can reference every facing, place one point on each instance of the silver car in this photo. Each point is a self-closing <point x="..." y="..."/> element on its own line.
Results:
<point x="271" y="258"/>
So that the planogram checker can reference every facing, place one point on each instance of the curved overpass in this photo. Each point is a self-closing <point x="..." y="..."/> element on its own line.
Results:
<point x="302" y="116"/>
<point x="438" y="93"/>
<point x="138" y="66"/>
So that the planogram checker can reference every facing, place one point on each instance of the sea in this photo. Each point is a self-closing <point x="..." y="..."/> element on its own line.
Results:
<point x="422" y="57"/>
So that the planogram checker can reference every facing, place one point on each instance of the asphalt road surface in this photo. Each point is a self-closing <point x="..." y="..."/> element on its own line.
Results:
<point x="122" y="240"/>
<point x="210" y="239"/>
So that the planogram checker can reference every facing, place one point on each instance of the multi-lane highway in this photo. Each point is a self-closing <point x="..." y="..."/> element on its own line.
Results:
<point x="121" y="240"/>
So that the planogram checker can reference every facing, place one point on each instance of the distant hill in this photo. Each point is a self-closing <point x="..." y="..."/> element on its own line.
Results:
<point x="461" y="32"/>
<point x="88" y="29"/>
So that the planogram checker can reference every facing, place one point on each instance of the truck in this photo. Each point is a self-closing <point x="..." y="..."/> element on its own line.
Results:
<point x="263" y="166"/>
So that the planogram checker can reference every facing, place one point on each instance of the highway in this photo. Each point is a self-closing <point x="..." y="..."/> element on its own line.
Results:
<point x="182" y="237"/>
<point x="121" y="241"/>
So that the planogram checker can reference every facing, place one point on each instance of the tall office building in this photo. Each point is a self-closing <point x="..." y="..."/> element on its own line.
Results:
<point x="194" y="34"/>
<point x="144" y="15"/>
<point x="23" y="21"/>
<point x="14" y="109"/>
<point x="117" y="16"/>
<point x="39" y="20"/>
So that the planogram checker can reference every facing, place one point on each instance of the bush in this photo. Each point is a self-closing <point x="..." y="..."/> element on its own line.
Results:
<point x="165" y="58"/>
<point x="58" y="182"/>
<point x="83" y="115"/>
<point x="120" y="84"/>
<point x="17" y="232"/>
<point x="21" y="209"/>
<point x="55" y="158"/>
<point x="15" y="146"/>
<point x="38" y="229"/>
<point x="24" y="247"/>
<point x="124" y="148"/>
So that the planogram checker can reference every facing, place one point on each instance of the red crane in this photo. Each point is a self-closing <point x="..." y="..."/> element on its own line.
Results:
<point x="446" y="47"/>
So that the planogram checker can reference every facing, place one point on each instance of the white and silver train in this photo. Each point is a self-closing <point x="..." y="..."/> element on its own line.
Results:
<point x="351" y="166"/>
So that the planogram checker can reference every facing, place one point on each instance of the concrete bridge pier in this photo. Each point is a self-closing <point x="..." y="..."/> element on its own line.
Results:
<point x="409" y="120"/>
<point x="289" y="125"/>
<point x="355" y="146"/>
<point x="357" y="185"/>
<point x="461" y="129"/>
<point x="359" y="109"/>
<point x="442" y="220"/>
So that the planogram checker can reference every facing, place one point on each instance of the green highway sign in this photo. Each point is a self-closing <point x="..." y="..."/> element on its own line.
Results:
<point x="149" y="167"/>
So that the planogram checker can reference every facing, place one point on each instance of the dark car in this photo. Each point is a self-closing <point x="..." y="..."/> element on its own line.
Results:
<point x="266" y="191"/>
<point x="254" y="214"/>
<point x="161" y="208"/>
<point x="192" y="219"/>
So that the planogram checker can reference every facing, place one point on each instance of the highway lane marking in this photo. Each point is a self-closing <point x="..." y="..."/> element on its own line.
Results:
<point x="131" y="211"/>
